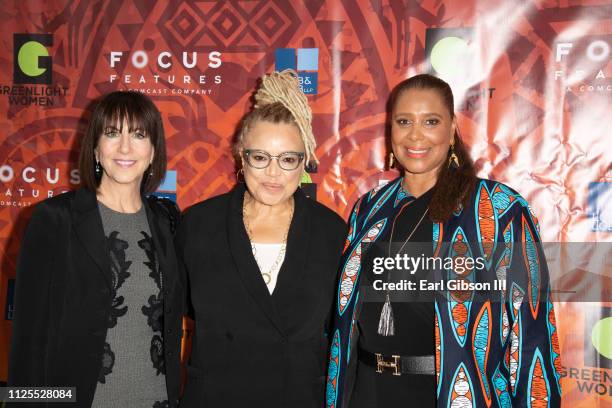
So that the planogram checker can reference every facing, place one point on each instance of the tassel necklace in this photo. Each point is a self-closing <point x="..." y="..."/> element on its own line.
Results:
<point x="386" y="325"/>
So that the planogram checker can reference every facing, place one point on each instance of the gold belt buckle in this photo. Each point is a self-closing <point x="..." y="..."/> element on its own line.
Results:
<point x="381" y="364"/>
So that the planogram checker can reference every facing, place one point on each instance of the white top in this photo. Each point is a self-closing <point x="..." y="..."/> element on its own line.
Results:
<point x="269" y="259"/>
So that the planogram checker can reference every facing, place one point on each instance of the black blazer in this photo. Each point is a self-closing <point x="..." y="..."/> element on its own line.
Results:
<point x="251" y="348"/>
<point x="63" y="297"/>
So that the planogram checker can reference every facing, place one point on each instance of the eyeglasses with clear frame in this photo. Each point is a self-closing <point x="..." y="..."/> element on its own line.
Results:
<point x="260" y="159"/>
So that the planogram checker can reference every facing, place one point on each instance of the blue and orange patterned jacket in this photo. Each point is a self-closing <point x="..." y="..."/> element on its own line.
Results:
<point x="499" y="352"/>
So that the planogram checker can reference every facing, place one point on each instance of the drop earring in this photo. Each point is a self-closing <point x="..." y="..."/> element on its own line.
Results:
<point x="391" y="160"/>
<point x="98" y="169"/>
<point x="453" y="159"/>
<point x="238" y="174"/>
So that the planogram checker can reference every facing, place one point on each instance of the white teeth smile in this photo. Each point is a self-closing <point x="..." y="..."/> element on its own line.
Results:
<point x="125" y="162"/>
<point x="415" y="151"/>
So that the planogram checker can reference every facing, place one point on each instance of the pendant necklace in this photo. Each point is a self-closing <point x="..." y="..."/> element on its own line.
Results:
<point x="386" y="325"/>
<point x="267" y="275"/>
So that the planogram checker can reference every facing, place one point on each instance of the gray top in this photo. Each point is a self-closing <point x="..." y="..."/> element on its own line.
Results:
<point x="133" y="369"/>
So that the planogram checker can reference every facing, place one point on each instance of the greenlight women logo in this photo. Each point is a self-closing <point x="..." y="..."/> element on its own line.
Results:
<point x="31" y="60"/>
<point x="450" y="56"/>
<point x="601" y="337"/>
<point x="598" y="337"/>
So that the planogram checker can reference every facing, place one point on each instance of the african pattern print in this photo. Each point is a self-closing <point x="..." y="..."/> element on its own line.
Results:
<point x="353" y="328"/>
<point x="460" y="302"/>
<point x="481" y="344"/>
<point x="501" y="274"/>
<point x="486" y="223"/>
<point x="461" y="394"/>
<point x="400" y="196"/>
<point x="516" y="336"/>
<point x="555" y="353"/>
<point x="500" y="386"/>
<point x="333" y="371"/>
<point x="353" y="266"/>
<point x="532" y="263"/>
<point x="538" y="388"/>
<point x="438" y="336"/>
<point x="499" y="352"/>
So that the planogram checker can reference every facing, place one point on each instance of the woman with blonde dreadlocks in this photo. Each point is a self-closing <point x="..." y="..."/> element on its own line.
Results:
<point x="261" y="263"/>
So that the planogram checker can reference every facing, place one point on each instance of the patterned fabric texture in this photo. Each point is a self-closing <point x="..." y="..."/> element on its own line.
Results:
<point x="496" y="352"/>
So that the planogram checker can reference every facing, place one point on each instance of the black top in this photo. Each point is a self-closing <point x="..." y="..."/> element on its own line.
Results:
<point x="251" y="348"/>
<point x="413" y="319"/>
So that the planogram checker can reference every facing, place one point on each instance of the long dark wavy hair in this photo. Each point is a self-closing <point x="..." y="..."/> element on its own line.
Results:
<point x="454" y="185"/>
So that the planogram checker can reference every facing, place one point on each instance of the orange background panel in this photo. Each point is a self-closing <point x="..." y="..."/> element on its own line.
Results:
<point x="529" y="119"/>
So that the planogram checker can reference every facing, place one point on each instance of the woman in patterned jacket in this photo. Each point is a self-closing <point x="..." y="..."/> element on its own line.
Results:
<point x="489" y="345"/>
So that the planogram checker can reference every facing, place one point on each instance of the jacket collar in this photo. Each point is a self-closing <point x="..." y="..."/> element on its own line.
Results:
<point x="88" y="227"/>
<point x="295" y="257"/>
<point x="159" y="225"/>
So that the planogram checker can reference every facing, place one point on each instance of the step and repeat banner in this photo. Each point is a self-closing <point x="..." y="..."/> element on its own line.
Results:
<point x="533" y="88"/>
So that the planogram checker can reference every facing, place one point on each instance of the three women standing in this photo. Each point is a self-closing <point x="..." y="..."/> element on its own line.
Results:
<point x="262" y="262"/>
<point x="98" y="267"/>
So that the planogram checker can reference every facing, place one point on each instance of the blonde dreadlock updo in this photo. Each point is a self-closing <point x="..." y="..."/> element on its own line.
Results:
<point x="279" y="99"/>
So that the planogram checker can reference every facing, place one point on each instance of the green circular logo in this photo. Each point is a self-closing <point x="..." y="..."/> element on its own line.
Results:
<point x="601" y="337"/>
<point x="449" y="56"/>
<point x="28" y="58"/>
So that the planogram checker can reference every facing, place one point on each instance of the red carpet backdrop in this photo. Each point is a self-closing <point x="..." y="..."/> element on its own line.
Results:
<point x="532" y="80"/>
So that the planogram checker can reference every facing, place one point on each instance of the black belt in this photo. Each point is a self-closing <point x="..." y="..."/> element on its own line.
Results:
<point x="423" y="365"/>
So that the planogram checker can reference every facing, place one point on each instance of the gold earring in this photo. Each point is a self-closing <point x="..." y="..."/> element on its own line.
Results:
<point x="453" y="159"/>
<point x="391" y="160"/>
<point x="238" y="173"/>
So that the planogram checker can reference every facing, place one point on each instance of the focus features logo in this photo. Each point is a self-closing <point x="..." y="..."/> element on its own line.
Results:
<point x="582" y="65"/>
<point x="165" y="61"/>
<point x="20" y="187"/>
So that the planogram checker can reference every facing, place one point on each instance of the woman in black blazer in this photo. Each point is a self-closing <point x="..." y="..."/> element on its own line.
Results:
<point x="261" y="262"/>
<point x="98" y="300"/>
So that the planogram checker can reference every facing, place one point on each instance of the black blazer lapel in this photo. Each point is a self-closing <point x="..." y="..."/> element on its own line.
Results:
<point x="240" y="248"/>
<point x="160" y="232"/>
<point x="291" y="272"/>
<point x="88" y="227"/>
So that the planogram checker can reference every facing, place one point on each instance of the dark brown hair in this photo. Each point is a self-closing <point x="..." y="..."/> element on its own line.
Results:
<point x="139" y="112"/>
<point x="454" y="185"/>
